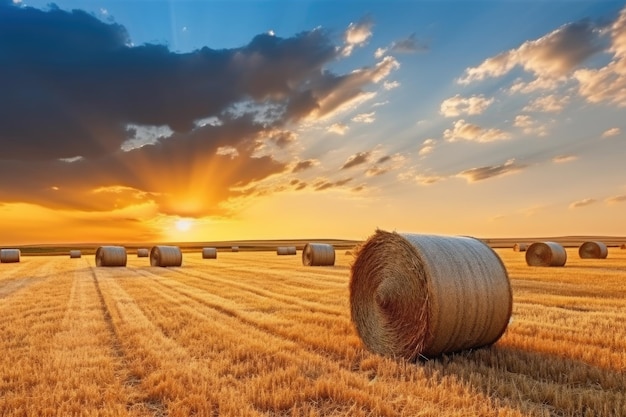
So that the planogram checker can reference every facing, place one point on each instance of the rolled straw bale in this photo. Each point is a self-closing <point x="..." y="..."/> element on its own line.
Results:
<point x="593" y="250"/>
<point x="318" y="254"/>
<point x="111" y="256"/>
<point x="520" y="247"/>
<point x="546" y="254"/>
<point x="417" y="295"/>
<point x="234" y="249"/>
<point x="143" y="253"/>
<point x="286" y="250"/>
<point x="9" y="255"/>
<point x="623" y="246"/>
<point x="166" y="256"/>
<point x="209" y="253"/>
<point x="75" y="254"/>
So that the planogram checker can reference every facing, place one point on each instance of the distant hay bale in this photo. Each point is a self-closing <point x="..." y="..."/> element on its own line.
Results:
<point x="348" y="252"/>
<point x="111" y="256"/>
<point x="286" y="250"/>
<point x="593" y="250"/>
<point x="623" y="246"/>
<point x="75" y="254"/>
<point x="417" y="296"/>
<point x="209" y="253"/>
<point x="520" y="247"/>
<point x="9" y="255"/>
<point x="166" y="256"/>
<point x="318" y="254"/>
<point x="234" y="249"/>
<point x="546" y="254"/>
<point x="143" y="253"/>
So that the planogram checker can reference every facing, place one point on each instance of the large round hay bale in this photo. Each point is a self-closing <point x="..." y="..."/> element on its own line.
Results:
<point x="9" y="255"/>
<point x="286" y="250"/>
<point x="417" y="296"/>
<point x="520" y="247"/>
<point x="209" y="253"/>
<point x="546" y="254"/>
<point x="143" y="253"/>
<point x="234" y="249"/>
<point x="166" y="256"/>
<point x="111" y="256"/>
<point x="593" y="250"/>
<point x="318" y="254"/>
<point x="75" y="253"/>
<point x="623" y="246"/>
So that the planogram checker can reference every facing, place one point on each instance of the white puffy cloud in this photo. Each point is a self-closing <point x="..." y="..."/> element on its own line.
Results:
<point x="457" y="105"/>
<point x="463" y="130"/>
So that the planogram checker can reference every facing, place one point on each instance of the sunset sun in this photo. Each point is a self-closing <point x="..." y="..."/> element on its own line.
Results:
<point x="184" y="225"/>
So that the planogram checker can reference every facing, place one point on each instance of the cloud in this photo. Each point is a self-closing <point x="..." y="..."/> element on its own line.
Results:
<point x="466" y="131"/>
<point x="530" y="126"/>
<point x="486" y="172"/>
<point x="614" y="131"/>
<point x="376" y="171"/>
<point x="304" y="165"/>
<point x="550" y="103"/>
<point x="427" y="147"/>
<point x="616" y="199"/>
<point x="189" y="133"/>
<point x="561" y="159"/>
<point x="582" y="203"/>
<point x="356" y="159"/>
<point x="404" y="46"/>
<point x="551" y="56"/>
<point x="457" y="105"/>
<point x="364" y="118"/>
<point x="338" y="128"/>
<point x="325" y="184"/>
<point x="390" y="85"/>
<point x="357" y="34"/>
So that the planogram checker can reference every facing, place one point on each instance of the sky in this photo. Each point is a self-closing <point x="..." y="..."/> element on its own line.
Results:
<point x="184" y="120"/>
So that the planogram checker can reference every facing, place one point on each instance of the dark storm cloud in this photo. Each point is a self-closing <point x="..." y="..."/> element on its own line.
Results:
<point x="71" y="83"/>
<point x="74" y="86"/>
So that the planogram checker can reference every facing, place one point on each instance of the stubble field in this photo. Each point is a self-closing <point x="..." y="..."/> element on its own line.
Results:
<point x="255" y="334"/>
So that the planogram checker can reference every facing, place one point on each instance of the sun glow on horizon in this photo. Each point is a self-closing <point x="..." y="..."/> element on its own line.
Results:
<point x="184" y="225"/>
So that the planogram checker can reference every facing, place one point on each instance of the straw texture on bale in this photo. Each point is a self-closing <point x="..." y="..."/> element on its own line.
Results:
<point x="415" y="296"/>
<point x="546" y="254"/>
<point x="318" y="254"/>
<point x="143" y="253"/>
<point x="520" y="247"/>
<point x="234" y="249"/>
<point x="286" y="250"/>
<point x="166" y="256"/>
<point x="593" y="250"/>
<point x="9" y="255"/>
<point x="209" y="253"/>
<point x="75" y="254"/>
<point x="111" y="256"/>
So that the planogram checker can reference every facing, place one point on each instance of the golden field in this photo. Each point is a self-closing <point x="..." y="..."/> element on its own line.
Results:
<point x="256" y="334"/>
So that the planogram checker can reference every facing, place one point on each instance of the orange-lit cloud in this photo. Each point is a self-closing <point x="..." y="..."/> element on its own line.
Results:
<point x="582" y="203"/>
<point x="614" y="131"/>
<point x="463" y="130"/>
<point x="457" y="105"/>
<point x="486" y="172"/>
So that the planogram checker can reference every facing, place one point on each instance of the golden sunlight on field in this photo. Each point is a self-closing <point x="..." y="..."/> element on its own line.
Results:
<point x="256" y="334"/>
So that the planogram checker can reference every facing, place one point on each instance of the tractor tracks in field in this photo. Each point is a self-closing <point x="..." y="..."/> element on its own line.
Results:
<point x="130" y="382"/>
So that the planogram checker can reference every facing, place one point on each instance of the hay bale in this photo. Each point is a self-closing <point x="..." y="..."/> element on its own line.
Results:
<point x="111" y="256"/>
<point x="286" y="250"/>
<point x="318" y="254"/>
<point x="75" y="254"/>
<point x="417" y="296"/>
<point x="623" y="246"/>
<point x="234" y="249"/>
<point x="593" y="250"/>
<point x="520" y="247"/>
<point x="209" y="253"/>
<point x="166" y="256"/>
<point x="143" y="253"/>
<point x="546" y="254"/>
<point x="9" y="255"/>
<point x="349" y="253"/>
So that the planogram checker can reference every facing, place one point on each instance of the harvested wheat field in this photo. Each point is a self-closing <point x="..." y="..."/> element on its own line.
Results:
<point x="253" y="334"/>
